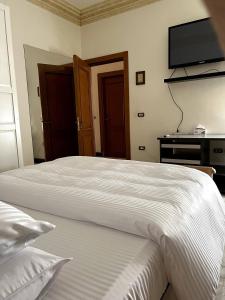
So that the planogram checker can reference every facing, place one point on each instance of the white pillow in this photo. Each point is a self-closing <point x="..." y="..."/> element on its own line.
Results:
<point x="17" y="230"/>
<point x="29" y="274"/>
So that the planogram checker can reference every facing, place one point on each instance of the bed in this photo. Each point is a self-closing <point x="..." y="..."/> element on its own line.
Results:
<point x="131" y="227"/>
<point x="107" y="264"/>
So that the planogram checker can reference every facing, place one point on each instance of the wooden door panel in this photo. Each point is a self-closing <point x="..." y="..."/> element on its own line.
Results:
<point x="114" y="93"/>
<point x="86" y="142"/>
<point x="82" y="76"/>
<point x="85" y="107"/>
<point x="112" y="109"/>
<point x="60" y="87"/>
<point x="58" y="111"/>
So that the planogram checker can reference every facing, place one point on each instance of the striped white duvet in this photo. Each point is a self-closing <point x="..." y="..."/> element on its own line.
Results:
<point x="108" y="264"/>
<point x="178" y="208"/>
<point x="220" y="294"/>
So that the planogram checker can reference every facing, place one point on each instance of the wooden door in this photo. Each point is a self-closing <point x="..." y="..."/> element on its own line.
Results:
<point x="82" y="76"/>
<point x="112" y="114"/>
<point x="58" y="111"/>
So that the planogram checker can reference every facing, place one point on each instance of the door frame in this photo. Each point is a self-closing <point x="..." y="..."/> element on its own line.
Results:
<point x="108" y="59"/>
<point x="101" y="77"/>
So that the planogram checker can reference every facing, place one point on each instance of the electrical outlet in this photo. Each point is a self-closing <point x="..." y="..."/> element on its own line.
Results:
<point x="218" y="150"/>
<point x="142" y="148"/>
<point x="141" y="115"/>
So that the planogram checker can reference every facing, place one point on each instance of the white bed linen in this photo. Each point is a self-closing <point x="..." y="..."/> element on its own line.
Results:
<point x="220" y="293"/>
<point x="108" y="264"/>
<point x="29" y="274"/>
<point x="178" y="208"/>
<point x="17" y="230"/>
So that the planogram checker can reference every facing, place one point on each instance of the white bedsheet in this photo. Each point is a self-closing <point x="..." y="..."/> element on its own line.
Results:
<point x="178" y="208"/>
<point x="108" y="264"/>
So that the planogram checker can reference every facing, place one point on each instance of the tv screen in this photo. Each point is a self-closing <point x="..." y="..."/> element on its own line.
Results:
<point x="193" y="43"/>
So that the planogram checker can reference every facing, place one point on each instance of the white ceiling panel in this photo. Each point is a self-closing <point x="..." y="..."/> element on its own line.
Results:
<point x="84" y="3"/>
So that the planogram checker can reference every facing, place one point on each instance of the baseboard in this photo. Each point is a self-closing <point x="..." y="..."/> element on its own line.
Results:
<point x="38" y="161"/>
<point x="99" y="154"/>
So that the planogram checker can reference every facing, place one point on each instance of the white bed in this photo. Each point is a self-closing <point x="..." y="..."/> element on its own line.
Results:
<point x="220" y="293"/>
<point x="108" y="264"/>
<point x="160" y="219"/>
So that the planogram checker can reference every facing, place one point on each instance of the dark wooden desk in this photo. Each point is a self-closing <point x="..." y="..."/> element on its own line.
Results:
<point x="195" y="150"/>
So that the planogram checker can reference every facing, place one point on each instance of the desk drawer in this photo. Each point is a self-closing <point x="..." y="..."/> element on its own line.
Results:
<point x="181" y="161"/>
<point x="180" y="146"/>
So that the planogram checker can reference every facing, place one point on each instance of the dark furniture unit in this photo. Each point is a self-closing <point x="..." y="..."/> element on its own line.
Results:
<point x="207" y="150"/>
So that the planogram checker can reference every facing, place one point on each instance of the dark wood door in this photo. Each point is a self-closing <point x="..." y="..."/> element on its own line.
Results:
<point x="82" y="76"/>
<point x="58" y="111"/>
<point x="112" y="114"/>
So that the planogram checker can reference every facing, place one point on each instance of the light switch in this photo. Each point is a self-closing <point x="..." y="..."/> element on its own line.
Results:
<point x="141" y="115"/>
<point x="142" y="148"/>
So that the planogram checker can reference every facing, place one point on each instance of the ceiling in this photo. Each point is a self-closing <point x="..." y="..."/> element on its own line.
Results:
<point x="83" y="12"/>
<point x="81" y="4"/>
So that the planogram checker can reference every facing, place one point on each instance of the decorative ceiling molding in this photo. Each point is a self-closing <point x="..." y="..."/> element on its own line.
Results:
<point x="61" y="8"/>
<point x="109" y="8"/>
<point x="105" y="9"/>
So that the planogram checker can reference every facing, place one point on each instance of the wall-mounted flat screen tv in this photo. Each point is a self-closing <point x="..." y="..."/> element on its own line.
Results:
<point x="193" y="43"/>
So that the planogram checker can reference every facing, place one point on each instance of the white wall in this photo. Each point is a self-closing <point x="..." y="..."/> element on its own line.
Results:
<point x="143" y="32"/>
<point x="33" y="57"/>
<point x="37" y="27"/>
<point x="95" y="96"/>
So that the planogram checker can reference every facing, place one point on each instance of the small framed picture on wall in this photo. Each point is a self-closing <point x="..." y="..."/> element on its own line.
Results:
<point x="140" y="77"/>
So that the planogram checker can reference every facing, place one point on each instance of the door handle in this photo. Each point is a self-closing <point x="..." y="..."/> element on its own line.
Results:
<point x="45" y="122"/>
<point x="78" y="124"/>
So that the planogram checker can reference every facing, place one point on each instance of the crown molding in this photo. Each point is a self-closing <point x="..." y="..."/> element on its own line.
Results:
<point x="110" y="8"/>
<point x="60" y="8"/>
<point x="105" y="9"/>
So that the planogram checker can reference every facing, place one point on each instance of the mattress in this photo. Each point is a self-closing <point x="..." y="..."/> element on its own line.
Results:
<point x="107" y="264"/>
